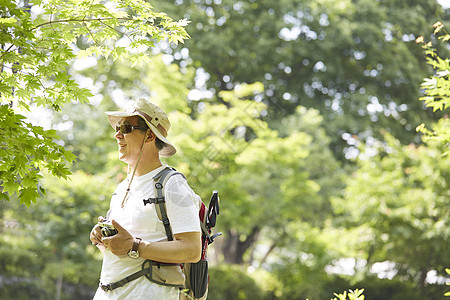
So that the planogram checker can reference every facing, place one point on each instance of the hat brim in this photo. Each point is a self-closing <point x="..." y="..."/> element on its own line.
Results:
<point x="114" y="118"/>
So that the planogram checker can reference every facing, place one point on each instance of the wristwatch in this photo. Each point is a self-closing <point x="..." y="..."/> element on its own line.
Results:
<point x="134" y="253"/>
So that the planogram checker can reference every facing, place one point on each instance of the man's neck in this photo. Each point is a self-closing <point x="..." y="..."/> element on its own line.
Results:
<point x="147" y="161"/>
<point x="145" y="167"/>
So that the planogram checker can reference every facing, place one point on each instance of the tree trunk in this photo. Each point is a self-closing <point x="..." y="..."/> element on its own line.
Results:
<point x="59" y="283"/>
<point x="233" y="248"/>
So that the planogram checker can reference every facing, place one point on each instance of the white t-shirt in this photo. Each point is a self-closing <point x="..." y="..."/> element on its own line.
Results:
<point x="142" y="221"/>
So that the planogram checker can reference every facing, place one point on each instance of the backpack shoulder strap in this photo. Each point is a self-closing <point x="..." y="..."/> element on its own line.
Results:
<point x="160" y="180"/>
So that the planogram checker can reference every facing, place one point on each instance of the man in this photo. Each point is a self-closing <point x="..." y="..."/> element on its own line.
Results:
<point x="141" y="133"/>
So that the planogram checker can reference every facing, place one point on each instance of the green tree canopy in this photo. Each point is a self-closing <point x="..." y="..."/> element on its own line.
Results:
<point x="398" y="198"/>
<point x="354" y="61"/>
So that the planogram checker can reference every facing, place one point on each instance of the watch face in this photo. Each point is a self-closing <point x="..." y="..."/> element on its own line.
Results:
<point x="133" y="254"/>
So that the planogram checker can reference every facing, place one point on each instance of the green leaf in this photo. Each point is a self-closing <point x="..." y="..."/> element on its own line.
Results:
<point x="42" y="190"/>
<point x="10" y="186"/>
<point x="83" y="95"/>
<point x="28" y="195"/>
<point x="4" y="197"/>
<point x="8" y="21"/>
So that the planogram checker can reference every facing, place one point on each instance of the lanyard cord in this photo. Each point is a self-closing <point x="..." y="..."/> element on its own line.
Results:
<point x="125" y="198"/>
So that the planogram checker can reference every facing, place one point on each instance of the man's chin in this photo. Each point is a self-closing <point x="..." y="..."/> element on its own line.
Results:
<point x="122" y="157"/>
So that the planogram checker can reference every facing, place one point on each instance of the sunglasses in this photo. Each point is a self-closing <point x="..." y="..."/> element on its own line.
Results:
<point x="126" y="128"/>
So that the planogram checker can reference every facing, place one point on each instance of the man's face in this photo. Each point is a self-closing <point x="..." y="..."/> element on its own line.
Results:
<point x="129" y="143"/>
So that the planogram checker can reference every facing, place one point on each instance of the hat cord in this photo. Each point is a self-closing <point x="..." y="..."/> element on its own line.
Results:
<point x="125" y="198"/>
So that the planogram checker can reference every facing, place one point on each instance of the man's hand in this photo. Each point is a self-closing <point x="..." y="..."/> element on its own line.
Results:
<point x="96" y="234"/>
<point x="120" y="243"/>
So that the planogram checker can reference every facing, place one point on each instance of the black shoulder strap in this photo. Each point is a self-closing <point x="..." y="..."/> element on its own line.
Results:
<point x="160" y="180"/>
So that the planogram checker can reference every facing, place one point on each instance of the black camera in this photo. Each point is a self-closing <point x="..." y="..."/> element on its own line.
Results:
<point x="107" y="228"/>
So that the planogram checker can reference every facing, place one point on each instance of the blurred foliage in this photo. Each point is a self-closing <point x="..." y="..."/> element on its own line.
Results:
<point x="398" y="289"/>
<point x="399" y="197"/>
<point x="354" y="61"/>
<point x="234" y="142"/>
<point x="86" y="134"/>
<point x="23" y="291"/>
<point x="401" y="194"/>
<point x="243" y="285"/>
<point x="41" y="243"/>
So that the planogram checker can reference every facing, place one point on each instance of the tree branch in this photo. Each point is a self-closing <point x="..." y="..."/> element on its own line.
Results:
<point x="90" y="33"/>
<point x="6" y="51"/>
<point x="77" y="20"/>
<point x="263" y="260"/>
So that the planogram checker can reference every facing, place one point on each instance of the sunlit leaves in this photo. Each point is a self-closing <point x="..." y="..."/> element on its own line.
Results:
<point x="437" y="87"/>
<point x="24" y="150"/>
<point x="352" y="295"/>
<point x="38" y="45"/>
<point x="437" y="91"/>
<point x="447" y="293"/>
<point x="41" y="45"/>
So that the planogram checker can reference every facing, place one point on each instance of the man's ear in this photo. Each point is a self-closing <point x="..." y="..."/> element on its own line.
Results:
<point x="150" y="136"/>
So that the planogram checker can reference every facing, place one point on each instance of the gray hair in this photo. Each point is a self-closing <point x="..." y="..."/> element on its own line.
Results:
<point x="143" y="127"/>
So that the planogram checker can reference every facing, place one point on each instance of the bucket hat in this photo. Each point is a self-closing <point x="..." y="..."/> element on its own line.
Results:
<point x="155" y="118"/>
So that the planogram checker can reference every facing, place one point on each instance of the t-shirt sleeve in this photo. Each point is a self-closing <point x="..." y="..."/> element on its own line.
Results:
<point x="182" y="205"/>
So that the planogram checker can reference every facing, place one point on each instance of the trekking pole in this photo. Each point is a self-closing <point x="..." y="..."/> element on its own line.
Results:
<point x="211" y="216"/>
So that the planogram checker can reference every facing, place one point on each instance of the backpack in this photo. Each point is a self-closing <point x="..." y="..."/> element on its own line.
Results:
<point x="196" y="274"/>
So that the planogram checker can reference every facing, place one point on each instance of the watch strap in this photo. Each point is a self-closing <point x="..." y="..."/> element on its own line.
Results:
<point x="134" y="253"/>
<point x="136" y="243"/>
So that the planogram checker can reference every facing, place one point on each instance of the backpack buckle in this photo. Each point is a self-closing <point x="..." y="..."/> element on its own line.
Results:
<point x="106" y="287"/>
<point x="156" y="200"/>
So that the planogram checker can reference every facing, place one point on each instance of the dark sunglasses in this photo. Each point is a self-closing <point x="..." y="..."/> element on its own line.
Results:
<point x="126" y="128"/>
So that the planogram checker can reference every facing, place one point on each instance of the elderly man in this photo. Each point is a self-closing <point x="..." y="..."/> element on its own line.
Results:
<point x="141" y="134"/>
